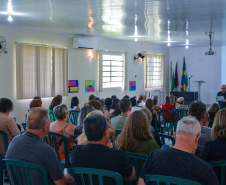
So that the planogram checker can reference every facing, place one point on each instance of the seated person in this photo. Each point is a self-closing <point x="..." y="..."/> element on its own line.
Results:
<point x="82" y="139"/>
<point x="198" y="110"/>
<point x="74" y="103"/>
<point x="149" y="116"/>
<point x="136" y="136"/>
<point x="115" y="111"/>
<point x="62" y="127"/>
<point x="7" y="124"/>
<point x="216" y="150"/>
<point x="167" y="105"/>
<point x="108" y="103"/>
<point x="91" y="97"/>
<point x="119" y="121"/>
<point x="97" y="155"/>
<point x="180" y="160"/>
<point x="156" y="104"/>
<point x="173" y="101"/>
<point x="149" y="104"/>
<point x="30" y="147"/>
<point x="34" y="103"/>
<point x="140" y="101"/>
<point x="81" y="116"/>
<point x="181" y="105"/>
<point x="212" y="110"/>
<point x="134" y="104"/>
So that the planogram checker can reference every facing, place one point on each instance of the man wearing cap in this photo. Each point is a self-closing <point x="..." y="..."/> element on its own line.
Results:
<point x="96" y="154"/>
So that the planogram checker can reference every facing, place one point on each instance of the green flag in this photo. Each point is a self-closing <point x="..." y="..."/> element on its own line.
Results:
<point x="173" y="82"/>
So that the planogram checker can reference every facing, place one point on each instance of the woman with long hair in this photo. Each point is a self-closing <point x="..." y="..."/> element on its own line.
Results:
<point x="74" y="103"/>
<point x="216" y="150"/>
<point x="136" y="136"/>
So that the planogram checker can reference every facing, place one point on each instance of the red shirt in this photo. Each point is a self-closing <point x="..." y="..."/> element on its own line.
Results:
<point x="167" y="106"/>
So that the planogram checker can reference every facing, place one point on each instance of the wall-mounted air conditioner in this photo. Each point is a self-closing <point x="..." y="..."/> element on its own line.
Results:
<point x="84" y="43"/>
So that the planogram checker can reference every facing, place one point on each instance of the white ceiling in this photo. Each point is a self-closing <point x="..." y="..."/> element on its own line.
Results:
<point x="154" y="21"/>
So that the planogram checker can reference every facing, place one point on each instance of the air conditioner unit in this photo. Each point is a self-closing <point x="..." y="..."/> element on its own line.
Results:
<point x="84" y="43"/>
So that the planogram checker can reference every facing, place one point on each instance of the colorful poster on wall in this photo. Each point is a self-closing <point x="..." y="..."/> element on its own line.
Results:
<point x="132" y="85"/>
<point x="73" y="86"/>
<point x="89" y="85"/>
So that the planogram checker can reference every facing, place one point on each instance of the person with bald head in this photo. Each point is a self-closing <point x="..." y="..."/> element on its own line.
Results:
<point x="30" y="147"/>
<point x="222" y="103"/>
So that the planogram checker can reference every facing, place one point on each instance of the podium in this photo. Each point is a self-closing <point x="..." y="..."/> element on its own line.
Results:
<point x="189" y="96"/>
<point x="199" y="88"/>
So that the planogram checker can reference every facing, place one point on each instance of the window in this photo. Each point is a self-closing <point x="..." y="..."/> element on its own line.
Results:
<point x="41" y="71"/>
<point x="111" y="70"/>
<point x="154" y="67"/>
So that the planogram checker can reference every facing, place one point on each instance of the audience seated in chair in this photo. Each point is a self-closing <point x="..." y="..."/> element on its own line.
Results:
<point x="212" y="110"/>
<point x="125" y="107"/>
<point x="180" y="160"/>
<point x="198" y="110"/>
<point x="96" y="154"/>
<point x="115" y="111"/>
<point x="136" y="136"/>
<point x="149" y="116"/>
<point x="33" y="103"/>
<point x="173" y="101"/>
<point x="216" y="150"/>
<point x="108" y="103"/>
<point x="30" y="147"/>
<point x="7" y="124"/>
<point x="82" y="139"/>
<point x="74" y="103"/>
<point x="82" y="115"/>
<point x="181" y="105"/>
<point x="57" y="100"/>
<point x="134" y="104"/>
<point x="62" y="127"/>
<point x="91" y="97"/>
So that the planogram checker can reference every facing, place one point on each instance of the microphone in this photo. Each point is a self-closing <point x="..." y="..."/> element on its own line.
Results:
<point x="190" y="76"/>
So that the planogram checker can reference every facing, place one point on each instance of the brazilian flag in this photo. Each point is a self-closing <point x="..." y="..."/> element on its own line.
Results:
<point x="184" y="79"/>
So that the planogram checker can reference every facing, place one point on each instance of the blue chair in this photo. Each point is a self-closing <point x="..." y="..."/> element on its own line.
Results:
<point x="137" y="161"/>
<point x="15" y="171"/>
<point x="74" y="116"/>
<point x="221" y="165"/>
<point x="90" y="173"/>
<point x="168" y="180"/>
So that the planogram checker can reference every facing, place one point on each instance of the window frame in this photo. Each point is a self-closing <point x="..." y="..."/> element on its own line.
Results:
<point x="146" y="71"/>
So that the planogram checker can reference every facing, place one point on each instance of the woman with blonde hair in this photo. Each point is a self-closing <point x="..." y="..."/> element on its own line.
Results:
<point x="136" y="136"/>
<point x="216" y="150"/>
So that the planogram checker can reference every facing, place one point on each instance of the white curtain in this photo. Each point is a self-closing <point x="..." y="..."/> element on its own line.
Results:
<point x="41" y="71"/>
<point x="99" y="71"/>
<point x="60" y="71"/>
<point x="26" y="71"/>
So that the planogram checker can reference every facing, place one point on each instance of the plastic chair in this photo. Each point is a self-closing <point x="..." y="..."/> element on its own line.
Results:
<point x="164" y="136"/>
<point x="117" y="132"/>
<point x="90" y="172"/>
<point x="210" y="123"/>
<point x="136" y="160"/>
<point x="15" y="168"/>
<point x="168" y="180"/>
<point x="74" y="116"/>
<point x="5" y="141"/>
<point x="54" y="139"/>
<point x="24" y="125"/>
<point x="222" y="166"/>
<point x="19" y="127"/>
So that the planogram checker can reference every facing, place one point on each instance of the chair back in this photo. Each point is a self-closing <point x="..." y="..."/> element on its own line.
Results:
<point x="55" y="140"/>
<point x="117" y="132"/>
<point x="136" y="159"/>
<point x="19" y="127"/>
<point x="52" y="116"/>
<point x="210" y="123"/>
<point x="5" y="139"/>
<point x="164" y="136"/>
<point x="74" y="116"/>
<point x="18" y="169"/>
<point x="221" y="165"/>
<point x="90" y="172"/>
<point x="24" y="125"/>
<point x="155" y="123"/>
<point x="168" y="180"/>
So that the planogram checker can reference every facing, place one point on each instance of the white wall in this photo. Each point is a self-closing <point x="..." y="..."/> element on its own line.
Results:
<point x="81" y="67"/>
<point x="202" y="67"/>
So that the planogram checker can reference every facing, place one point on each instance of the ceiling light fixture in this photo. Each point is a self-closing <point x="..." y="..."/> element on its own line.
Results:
<point x="10" y="19"/>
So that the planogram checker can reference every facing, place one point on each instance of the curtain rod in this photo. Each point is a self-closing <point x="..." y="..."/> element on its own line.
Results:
<point x="112" y="51"/>
<point x="41" y="45"/>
